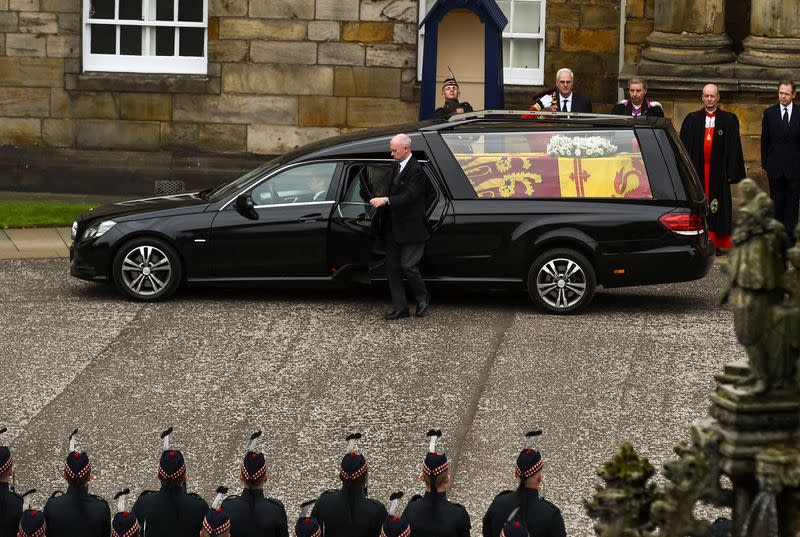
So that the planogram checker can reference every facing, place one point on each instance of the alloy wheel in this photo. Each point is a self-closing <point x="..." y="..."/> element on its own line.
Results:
<point x="561" y="283"/>
<point x="146" y="270"/>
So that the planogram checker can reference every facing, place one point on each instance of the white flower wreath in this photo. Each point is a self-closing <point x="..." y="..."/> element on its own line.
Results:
<point x="580" y="146"/>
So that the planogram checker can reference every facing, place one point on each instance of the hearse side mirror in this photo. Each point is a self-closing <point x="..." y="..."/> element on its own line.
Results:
<point x="244" y="204"/>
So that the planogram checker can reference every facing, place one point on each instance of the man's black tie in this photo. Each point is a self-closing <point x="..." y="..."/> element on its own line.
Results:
<point x="785" y="117"/>
<point x="564" y="106"/>
<point x="396" y="178"/>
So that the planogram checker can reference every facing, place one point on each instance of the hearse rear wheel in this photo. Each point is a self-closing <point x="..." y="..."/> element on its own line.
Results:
<point x="561" y="281"/>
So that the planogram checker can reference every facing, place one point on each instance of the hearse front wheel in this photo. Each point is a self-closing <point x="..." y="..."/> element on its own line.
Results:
<point x="561" y="281"/>
<point x="147" y="269"/>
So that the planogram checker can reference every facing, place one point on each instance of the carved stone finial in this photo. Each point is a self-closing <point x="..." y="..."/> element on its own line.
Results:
<point x="622" y="507"/>
<point x="763" y="293"/>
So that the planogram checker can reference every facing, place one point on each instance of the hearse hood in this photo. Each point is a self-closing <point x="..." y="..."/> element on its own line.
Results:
<point x="189" y="202"/>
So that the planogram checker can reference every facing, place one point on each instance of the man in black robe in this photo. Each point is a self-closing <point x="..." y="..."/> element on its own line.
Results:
<point x="636" y="105"/>
<point x="711" y="137"/>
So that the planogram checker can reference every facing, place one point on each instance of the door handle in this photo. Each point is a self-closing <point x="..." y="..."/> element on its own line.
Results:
<point x="361" y="217"/>
<point x="316" y="217"/>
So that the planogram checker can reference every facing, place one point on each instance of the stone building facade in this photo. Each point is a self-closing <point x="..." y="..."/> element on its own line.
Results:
<point x="280" y="73"/>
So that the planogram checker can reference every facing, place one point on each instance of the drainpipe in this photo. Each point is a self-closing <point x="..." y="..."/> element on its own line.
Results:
<point x="622" y="7"/>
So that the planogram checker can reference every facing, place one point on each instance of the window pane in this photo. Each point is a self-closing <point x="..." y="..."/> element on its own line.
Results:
<point x="130" y="40"/>
<point x="296" y="185"/>
<point x="102" y="9"/>
<point x="104" y="39"/>
<point x="190" y="10"/>
<point x="165" y="10"/>
<point x="506" y="52"/>
<point x="130" y="9"/>
<point x="553" y="164"/>
<point x="192" y="41"/>
<point x="165" y="41"/>
<point x="526" y="17"/>
<point x="526" y="53"/>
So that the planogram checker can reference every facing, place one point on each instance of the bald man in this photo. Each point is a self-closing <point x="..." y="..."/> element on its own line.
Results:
<point x="711" y="137"/>
<point x="403" y="226"/>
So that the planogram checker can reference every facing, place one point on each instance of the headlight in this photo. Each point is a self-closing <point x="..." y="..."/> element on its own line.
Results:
<point x="74" y="234"/>
<point x="98" y="230"/>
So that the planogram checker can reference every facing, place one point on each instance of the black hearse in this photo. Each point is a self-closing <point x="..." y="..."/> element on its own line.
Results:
<point x="556" y="205"/>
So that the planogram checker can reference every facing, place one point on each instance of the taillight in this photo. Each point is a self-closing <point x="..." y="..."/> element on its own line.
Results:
<point x="683" y="223"/>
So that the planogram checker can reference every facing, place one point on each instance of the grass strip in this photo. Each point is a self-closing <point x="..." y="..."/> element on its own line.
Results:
<point x="15" y="214"/>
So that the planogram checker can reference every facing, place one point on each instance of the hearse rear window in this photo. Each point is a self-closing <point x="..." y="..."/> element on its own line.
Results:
<point x="552" y="164"/>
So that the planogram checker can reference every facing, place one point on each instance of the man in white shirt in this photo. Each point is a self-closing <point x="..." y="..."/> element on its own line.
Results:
<point x="780" y="154"/>
<point x="568" y="100"/>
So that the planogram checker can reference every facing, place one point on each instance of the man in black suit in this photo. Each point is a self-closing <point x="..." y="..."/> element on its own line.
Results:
<point x="780" y="155"/>
<point x="403" y="222"/>
<point x="568" y="100"/>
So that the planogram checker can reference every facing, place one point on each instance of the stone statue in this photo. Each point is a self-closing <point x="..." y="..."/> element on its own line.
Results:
<point x="762" y="293"/>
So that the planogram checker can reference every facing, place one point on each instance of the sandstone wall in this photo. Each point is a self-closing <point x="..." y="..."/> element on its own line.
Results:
<point x="281" y="73"/>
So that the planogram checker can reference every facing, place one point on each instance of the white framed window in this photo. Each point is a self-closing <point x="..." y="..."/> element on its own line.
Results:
<point x="523" y="40"/>
<point x="146" y="36"/>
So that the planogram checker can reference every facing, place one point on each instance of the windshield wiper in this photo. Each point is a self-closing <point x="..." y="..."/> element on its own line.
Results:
<point x="204" y="194"/>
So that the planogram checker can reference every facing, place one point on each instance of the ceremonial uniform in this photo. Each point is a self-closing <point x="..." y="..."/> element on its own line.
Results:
<point x="306" y="525"/>
<point x="395" y="526"/>
<point x="713" y="143"/>
<point x="124" y="523"/>
<point x="543" y="519"/>
<point x="344" y="513"/>
<point x="648" y="109"/>
<point x="443" y="112"/>
<point x="348" y="512"/>
<point x="171" y="511"/>
<point x="434" y="516"/>
<point x="10" y="511"/>
<point x="217" y="522"/>
<point x="254" y="515"/>
<point x="77" y="514"/>
<point x="535" y="514"/>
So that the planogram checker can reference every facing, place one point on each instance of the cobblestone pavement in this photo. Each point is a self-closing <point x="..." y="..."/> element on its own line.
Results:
<point x="308" y="367"/>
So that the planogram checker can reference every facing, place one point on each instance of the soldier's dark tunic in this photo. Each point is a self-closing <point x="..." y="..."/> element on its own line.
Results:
<point x="170" y="512"/>
<point x="253" y="515"/>
<point x="542" y="517"/>
<point x="443" y="113"/>
<point x="433" y="516"/>
<point x="77" y="514"/>
<point x="10" y="511"/>
<point x="349" y="515"/>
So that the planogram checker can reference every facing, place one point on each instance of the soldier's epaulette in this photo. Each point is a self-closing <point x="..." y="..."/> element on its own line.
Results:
<point x="276" y="502"/>
<point x="551" y="504"/>
<point x="504" y="492"/>
<point x="415" y="497"/>
<point x="195" y="495"/>
<point x="330" y="491"/>
<point x="56" y="493"/>
<point x="145" y="492"/>
<point x="230" y="497"/>
<point x="96" y="497"/>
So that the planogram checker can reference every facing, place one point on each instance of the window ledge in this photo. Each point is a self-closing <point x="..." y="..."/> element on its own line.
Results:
<point x="138" y="82"/>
